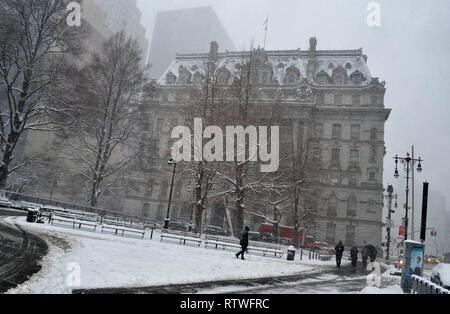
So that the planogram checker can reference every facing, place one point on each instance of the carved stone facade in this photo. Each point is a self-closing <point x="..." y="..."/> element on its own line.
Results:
<point x="332" y="89"/>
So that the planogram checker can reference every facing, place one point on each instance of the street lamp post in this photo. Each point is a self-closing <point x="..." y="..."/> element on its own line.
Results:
<point x="167" y="221"/>
<point x="408" y="162"/>
<point x="390" y="196"/>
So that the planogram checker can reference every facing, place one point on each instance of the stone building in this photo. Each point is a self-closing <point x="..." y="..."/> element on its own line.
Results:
<point x="332" y="89"/>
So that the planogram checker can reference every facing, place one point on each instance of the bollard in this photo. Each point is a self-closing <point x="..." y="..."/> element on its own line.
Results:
<point x="151" y="234"/>
<point x="310" y="255"/>
<point x="301" y="254"/>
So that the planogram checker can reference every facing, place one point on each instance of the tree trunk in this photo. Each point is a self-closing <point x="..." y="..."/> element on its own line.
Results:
<point x="94" y="200"/>
<point x="228" y="217"/>
<point x="296" y="235"/>
<point x="3" y="175"/>
<point x="240" y="194"/>
<point x="198" y="209"/>
<point x="276" y="233"/>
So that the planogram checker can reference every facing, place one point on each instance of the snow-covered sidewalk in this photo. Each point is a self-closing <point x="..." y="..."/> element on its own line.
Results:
<point x="107" y="261"/>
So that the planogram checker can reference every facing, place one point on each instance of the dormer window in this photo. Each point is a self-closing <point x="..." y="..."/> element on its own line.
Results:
<point x="223" y="76"/>
<point x="322" y="78"/>
<point x="292" y="75"/>
<point x="185" y="76"/>
<point x="357" y="78"/>
<point x="340" y="76"/>
<point x="198" y="78"/>
<point x="171" y="79"/>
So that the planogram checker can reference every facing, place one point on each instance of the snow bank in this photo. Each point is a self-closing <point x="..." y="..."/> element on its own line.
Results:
<point x="443" y="271"/>
<point x="108" y="261"/>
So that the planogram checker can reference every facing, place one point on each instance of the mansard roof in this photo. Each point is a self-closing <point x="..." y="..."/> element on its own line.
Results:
<point x="327" y="61"/>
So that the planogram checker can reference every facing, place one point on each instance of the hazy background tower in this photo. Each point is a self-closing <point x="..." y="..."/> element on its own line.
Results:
<point x="185" y="31"/>
<point x="124" y="15"/>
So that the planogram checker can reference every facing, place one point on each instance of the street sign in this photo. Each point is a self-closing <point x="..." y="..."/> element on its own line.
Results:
<point x="401" y="231"/>
<point x="389" y="223"/>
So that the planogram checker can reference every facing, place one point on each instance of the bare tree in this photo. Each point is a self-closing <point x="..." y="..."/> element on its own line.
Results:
<point x="109" y="89"/>
<point x="206" y="101"/>
<point x="247" y="109"/>
<point x="302" y="172"/>
<point x="34" y="49"/>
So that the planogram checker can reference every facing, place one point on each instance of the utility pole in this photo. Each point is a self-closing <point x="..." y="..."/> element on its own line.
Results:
<point x="412" y="193"/>
<point x="390" y="196"/>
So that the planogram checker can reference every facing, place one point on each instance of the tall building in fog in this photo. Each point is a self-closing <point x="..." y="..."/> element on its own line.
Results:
<point x="124" y="15"/>
<point x="185" y="31"/>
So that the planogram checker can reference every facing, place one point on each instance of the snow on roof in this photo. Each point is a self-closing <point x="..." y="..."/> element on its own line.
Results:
<point x="352" y="61"/>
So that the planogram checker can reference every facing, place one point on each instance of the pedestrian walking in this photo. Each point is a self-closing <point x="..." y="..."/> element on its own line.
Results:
<point x="339" y="252"/>
<point x="243" y="243"/>
<point x="354" y="255"/>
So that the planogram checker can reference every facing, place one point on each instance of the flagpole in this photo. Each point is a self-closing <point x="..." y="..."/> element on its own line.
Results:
<point x="265" y="35"/>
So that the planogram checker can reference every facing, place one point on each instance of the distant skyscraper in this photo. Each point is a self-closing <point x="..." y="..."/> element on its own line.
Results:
<point x="124" y="15"/>
<point x="185" y="31"/>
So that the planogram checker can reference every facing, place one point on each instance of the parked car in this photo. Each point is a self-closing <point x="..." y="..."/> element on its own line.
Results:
<point x="213" y="230"/>
<point x="441" y="275"/>
<point x="431" y="260"/>
<point x="399" y="262"/>
<point x="267" y="237"/>
<point x="254" y="236"/>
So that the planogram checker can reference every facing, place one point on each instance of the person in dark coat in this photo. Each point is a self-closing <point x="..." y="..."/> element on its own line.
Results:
<point x="339" y="252"/>
<point x="244" y="243"/>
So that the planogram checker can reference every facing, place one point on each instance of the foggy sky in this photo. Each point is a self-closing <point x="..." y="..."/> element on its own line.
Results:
<point x="409" y="51"/>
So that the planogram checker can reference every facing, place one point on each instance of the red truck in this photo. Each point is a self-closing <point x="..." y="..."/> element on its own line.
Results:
<point x="287" y="236"/>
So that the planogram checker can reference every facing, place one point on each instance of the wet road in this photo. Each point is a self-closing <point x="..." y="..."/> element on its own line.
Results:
<point x="325" y="280"/>
<point x="20" y="253"/>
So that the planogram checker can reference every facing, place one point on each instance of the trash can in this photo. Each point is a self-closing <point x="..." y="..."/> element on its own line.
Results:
<point x="291" y="253"/>
<point x="32" y="215"/>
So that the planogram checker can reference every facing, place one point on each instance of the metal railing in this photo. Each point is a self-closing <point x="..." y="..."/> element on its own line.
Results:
<point x="423" y="286"/>
<point x="20" y="198"/>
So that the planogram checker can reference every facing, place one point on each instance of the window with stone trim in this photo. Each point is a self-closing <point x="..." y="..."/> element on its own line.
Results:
<point x="350" y="236"/>
<point x="356" y="100"/>
<point x="352" y="206"/>
<point x="356" y="132"/>
<point x="318" y="130"/>
<point x="338" y="99"/>
<point x="332" y="206"/>
<point x="330" y="236"/>
<point x="320" y="99"/>
<point x="354" y="156"/>
<point x="335" y="176"/>
<point x="335" y="156"/>
<point x="337" y="131"/>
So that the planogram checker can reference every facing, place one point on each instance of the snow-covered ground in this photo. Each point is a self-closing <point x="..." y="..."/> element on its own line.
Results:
<point x="395" y="289"/>
<point x="107" y="261"/>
